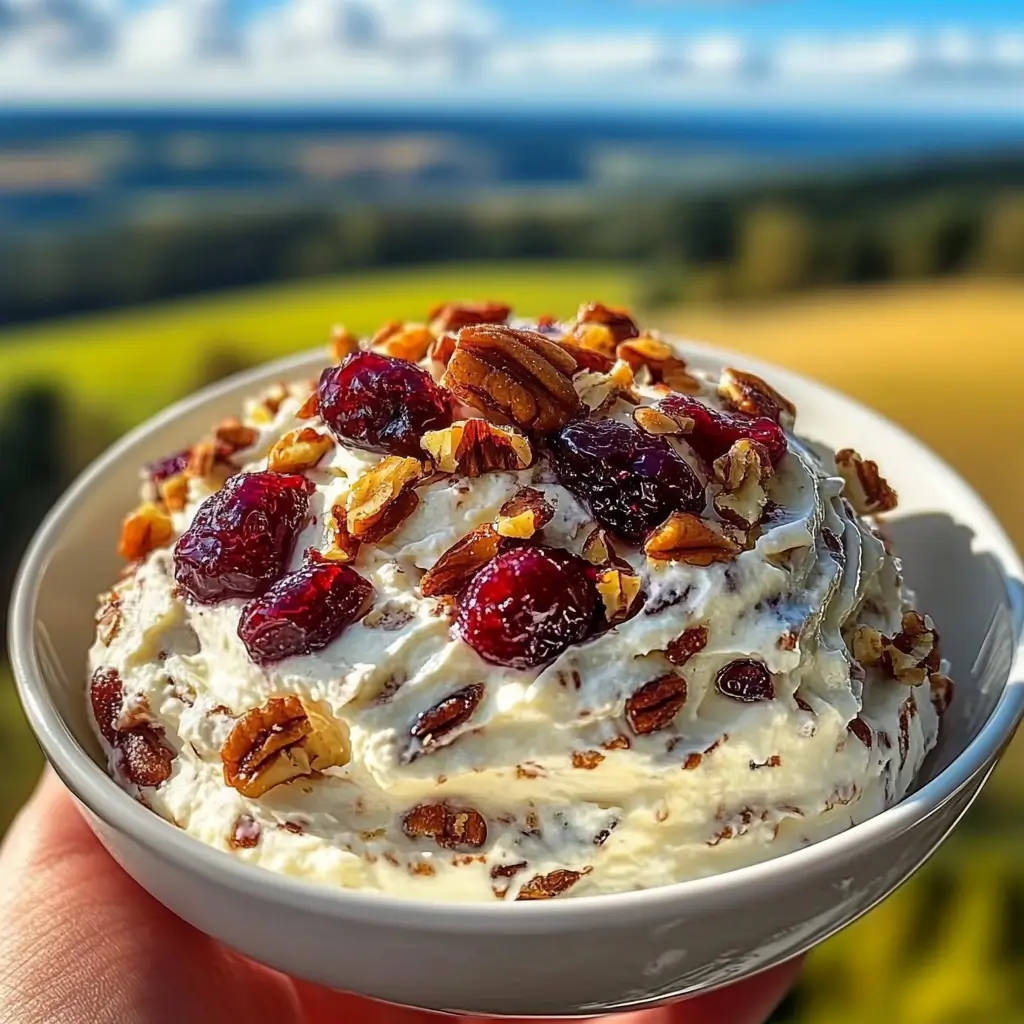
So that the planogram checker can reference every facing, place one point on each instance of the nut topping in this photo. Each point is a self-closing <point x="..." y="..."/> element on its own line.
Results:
<point x="600" y="391"/>
<point x="660" y="423"/>
<point x="145" y="530"/>
<point x="343" y="547"/>
<point x="743" y="472"/>
<point x="619" y="590"/>
<point x="524" y="514"/>
<point x="588" y="359"/>
<point x="235" y="436"/>
<point x="748" y="394"/>
<point x="688" y="538"/>
<point x="598" y="550"/>
<point x="519" y="376"/>
<point x="617" y="319"/>
<point x="383" y="498"/>
<point x="909" y="657"/>
<point x="433" y="728"/>
<point x="403" y="341"/>
<point x="343" y="343"/>
<point x="108" y="618"/>
<point x="461" y="562"/>
<point x="943" y="689"/>
<point x="660" y="362"/>
<point x="655" y="704"/>
<point x="547" y="887"/>
<point x="865" y="488"/>
<point x="282" y="740"/>
<point x="298" y="450"/>
<point x="474" y="447"/>
<point x="687" y="644"/>
<point x="449" y="827"/>
<point x="453" y="316"/>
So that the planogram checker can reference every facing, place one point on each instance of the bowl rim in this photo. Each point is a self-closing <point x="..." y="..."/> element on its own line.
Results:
<point x="94" y="788"/>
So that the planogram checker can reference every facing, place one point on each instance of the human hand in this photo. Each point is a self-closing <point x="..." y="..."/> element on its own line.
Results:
<point x="81" y="943"/>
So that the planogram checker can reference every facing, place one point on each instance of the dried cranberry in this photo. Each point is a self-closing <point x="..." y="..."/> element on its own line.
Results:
<point x="242" y="537"/>
<point x="714" y="432"/>
<point x="106" y="695"/>
<point x="303" y="612"/>
<point x="382" y="404"/>
<point x="170" y="466"/>
<point x="745" y="680"/>
<point x="527" y="606"/>
<point x="631" y="481"/>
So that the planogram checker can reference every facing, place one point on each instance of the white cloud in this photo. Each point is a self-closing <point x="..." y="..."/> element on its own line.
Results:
<point x="177" y="33"/>
<point x="717" y="55"/>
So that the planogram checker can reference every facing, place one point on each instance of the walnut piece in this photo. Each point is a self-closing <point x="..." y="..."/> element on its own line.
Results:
<point x="434" y="727"/>
<point x="518" y="376"/>
<point x="403" y="341"/>
<point x="598" y="550"/>
<point x="461" y="562"/>
<point x="587" y="760"/>
<point x="744" y="472"/>
<point x="298" y="450"/>
<point x="451" y="828"/>
<point x="619" y="590"/>
<point x="474" y="447"/>
<point x="600" y="391"/>
<point x="233" y="435"/>
<point x="751" y="395"/>
<point x="655" y="704"/>
<point x="686" y="645"/>
<point x="554" y="883"/>
<point x="342" y="546"/>
<point x="909" y="657"/>
<point x="383" y="498"/>
<point x="147" y="528"/>
<point x="688" y="538"/>
<point x="587" y="359"/>
<point x="660" y="362"/>
<point x="343" y="343"/>
<point x="282" y="740"/>
<point x="453" y="316"/>
<point x="659" y="423"/>
<point x="524" y="514"/>
<point x="616" y="319"/>
<point x="866" y="488"/>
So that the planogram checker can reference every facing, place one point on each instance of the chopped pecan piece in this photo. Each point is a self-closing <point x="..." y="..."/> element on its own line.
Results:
<point x="474" y="447"/>
<point x="208" y="461"/>
<point x="749" y="394"/>
<point x="913" y="653"/>
<point x="587" y="359"/>
<point x="655" y="704"/>
<point x="617" y="319"/>
<point x="687" y="644"/>
<point x="433" y="727"/>
<point x="245" y="833"/>
<point x="596" y="338"/>
<point x="461" y="562"/>
<point x="298" y="450"/>
<point x="587" y="760"/>
<point x="660" y="423"/>
<point x="449" y="827"/>
<point x="442" y="349"/>
<point x="403" y="341"/>
<point x="519" y="376"/>
<point x="145" y="530"/>
<point x="600" y="391"/>
<point x="310" y="408"/>
<point x="173" y="492"/>
<point x="524" y="514"/>
<point x="663" y="366"/>
<point x="554" y="883"/>
<point x="866" y="488"/>
<point x="688" y="538"/>
<point x="867" y="645"/>
<point x="108" y="618"/>
<point x="943" y="689"/>
<point x="343" y="547"/>
<point x="598" y="550"/>
<point x="234" y="436"/>
<point x="743" y="472"/>
<point x="383" y="498"/>
<point x="619" y="590"/>
<point x="343" y="343"/>
<point x="282" y="740"/>
<point x="453" y="316"/>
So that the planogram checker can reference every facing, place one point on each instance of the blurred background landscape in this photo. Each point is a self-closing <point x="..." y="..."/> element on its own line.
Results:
<point x="190" y="187"/>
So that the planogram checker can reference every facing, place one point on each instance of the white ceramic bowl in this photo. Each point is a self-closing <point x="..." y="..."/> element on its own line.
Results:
<point x="564" y="957"/>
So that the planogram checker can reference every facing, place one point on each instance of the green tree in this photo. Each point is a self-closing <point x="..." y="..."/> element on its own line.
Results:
<point x="933" y="236"/>
<point x="1001" y="250"/>
<point x="776" y="251"/>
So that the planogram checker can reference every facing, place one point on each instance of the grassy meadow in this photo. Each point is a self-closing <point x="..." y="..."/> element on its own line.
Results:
<point x="943" y="359"/>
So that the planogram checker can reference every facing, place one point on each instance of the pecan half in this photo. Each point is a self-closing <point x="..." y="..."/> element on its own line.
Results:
<point x="433" y="727"/>
<point x="600" y="391"/>
<point x="866" y="488"/>
<point x="383" y="498"/>
<point x="282" y="740"/>
<point x="617" y="319"/>
<point x="554" y="883"/>
<point x="474" y="447"/>
<point x="744" y="472"/>
<point x="688" y="538"/>
<point x="403" y="341"/>
<point x="145" y="530"/>
<point x="519" y="376"/>
<point x="453" y="316"/>
<point x="449" y="827"/>
<point x="687" y="644"/>
<point x="298" y="450"/>
<point x="524" y="514"/>
<point x="461" y="562"/>
<point x="343" y="343"/>
<point x="619" y="590"/>
<point x="751" y="395"/>
<point x="655" y="704"/>
<point x="661" y="363"/>
<point x="659" y="423"/>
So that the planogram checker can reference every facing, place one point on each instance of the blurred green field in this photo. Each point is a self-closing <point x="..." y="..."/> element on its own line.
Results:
<point x="944" y="359"/>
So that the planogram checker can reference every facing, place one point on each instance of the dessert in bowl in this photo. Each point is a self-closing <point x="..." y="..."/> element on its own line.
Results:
<point x="587" y="620"/>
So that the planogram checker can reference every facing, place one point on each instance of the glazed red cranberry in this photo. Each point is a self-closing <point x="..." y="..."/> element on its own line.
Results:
<point x="714" y="432"/>
<point x="170" y="466"/>
<point x="242" y="537"/>
<point x="745" y="680"/>
<point x="527" y="606"/>
<point x="303" y="612"/>
<point x="382" y="404"/>
<point x="631" y="481"/>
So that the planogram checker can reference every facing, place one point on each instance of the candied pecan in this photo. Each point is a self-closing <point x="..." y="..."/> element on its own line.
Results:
<point x="173" y="492"/>
<point x="658" y="358"/>
<point x="208" y="461"/>
<point x="145" y="530"/>
<point x="596" y="338"/>
<point x="587" y="760"/>
<point x="144" y="758"/>
<point x="913" y="653"/>
<point x="433" y="727"/>
<point x="749" y="394"/>
<point x="688" y="538"/>
<point x="108" y="618"/>
<point x="598" y="550"/>
<point x="617" y="319"/>
<point x="600" y="391"/>
<point x="343" y="547"/>
<point x="343" y="343"/>
<point x="461" y="562"/>
<point x="453" y="316"/>
<point x="866" y="488"/>
<point x="687" y="644"/>
<point x="659" y="422"/>
<point x="383" y="498"/>
<point x="943" y="690"/>
<point x="282" y="740"/>
<point x="587" y="359"/>
<point x="524" y="514"/>
<point x="519" y="376"/>
<point x="245" y="833"/>
<point x="474" y="447"/>
<point x="310" y="408"/>
<point x="234" y="436"/>
<point x="442" y="349"/>
<point x="449" y="827"/>
<point x="403" y="341"/>
<point x="298" y="450"/>
<point x="655" y="704"/>
<point x="619" y="590"/>
<point x="743" y="472"/>
<point x="554" y="883"/>
<point x="617" y="743"/>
